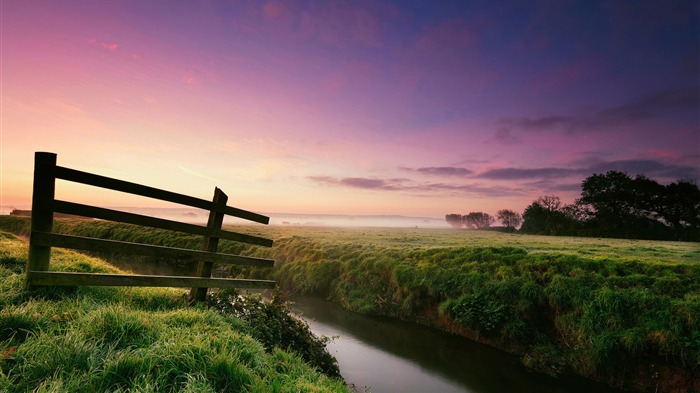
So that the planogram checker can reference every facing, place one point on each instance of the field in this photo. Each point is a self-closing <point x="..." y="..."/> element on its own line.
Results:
<point x="621" y="311"/>
<point x="420" y="239"/>
<point x="145" y="340"/>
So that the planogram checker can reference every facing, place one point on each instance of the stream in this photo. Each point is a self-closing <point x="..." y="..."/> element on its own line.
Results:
<point x="383" y="355"/>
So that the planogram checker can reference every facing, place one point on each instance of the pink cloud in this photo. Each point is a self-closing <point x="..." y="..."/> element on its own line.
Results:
<point x="661" y="154"/>
<point x="109" y="46"/>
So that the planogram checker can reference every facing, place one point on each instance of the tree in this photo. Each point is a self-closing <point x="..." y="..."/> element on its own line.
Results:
<point x="509" y="218"/>
<point x="454" y="219"/>
<point x="623" y="206"/>
<point x="681" y="210"/>
<point x="478" y="220"/>
<point x="551" y="203"/>
<point x="548" y="216"/>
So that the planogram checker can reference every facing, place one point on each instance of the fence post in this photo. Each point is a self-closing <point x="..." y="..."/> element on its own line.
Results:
<point x="44" y="190"/>
<point x="211" y="242"/>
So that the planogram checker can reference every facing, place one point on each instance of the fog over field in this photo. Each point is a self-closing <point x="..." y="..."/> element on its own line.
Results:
<point x="285" y="219"/>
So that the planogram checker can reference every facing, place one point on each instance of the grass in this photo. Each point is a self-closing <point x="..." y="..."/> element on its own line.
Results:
<point x="622" y="311"/>
<point x="133" y="339"/>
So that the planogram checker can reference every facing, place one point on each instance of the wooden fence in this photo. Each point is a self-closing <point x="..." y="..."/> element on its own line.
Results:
<point x="44" y="205"/>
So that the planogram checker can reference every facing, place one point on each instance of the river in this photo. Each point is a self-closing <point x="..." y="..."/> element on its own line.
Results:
<point x="383" y="355"/>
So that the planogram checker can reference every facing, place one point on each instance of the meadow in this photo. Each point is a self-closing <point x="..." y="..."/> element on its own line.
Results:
<point x="147" y="340"/>
<point x="625" y="312"/>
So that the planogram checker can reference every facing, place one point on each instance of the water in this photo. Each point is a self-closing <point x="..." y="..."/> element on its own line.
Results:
<point x="382" y="355"/>
<point x="387" y="356"/>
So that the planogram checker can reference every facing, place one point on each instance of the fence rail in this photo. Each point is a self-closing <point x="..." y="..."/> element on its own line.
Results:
<point x="44" y="205"/>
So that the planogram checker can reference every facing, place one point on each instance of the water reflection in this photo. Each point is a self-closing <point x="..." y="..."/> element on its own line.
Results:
<point x="393" y="356"/>
<point x="389" y="356"/>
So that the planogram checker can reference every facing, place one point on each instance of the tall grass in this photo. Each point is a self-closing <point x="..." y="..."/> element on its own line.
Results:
<point x="616" y="310"/>
<point x="132" y="339"/>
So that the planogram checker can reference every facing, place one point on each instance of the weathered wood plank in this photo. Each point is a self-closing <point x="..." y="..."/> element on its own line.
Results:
<point x="210" y="244"/>
<point x="152" y="192"/>
<point x="95" y="279"/>
<point x="42" y="213"/>
<point x="126" y="248"/>
<point x="137" y="219"/>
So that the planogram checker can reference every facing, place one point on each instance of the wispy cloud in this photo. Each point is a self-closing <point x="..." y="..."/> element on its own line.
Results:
<point x="505" y="136"/>
<point x="649" y="168"/>
<point x="553" y="187"/>
<point x="407" y="185"/>
<point x="685" y="100"/>
<point x="527" y="173"/>
<point x="359" y="182"/>
<point x="514" y="181"/>
<point x="651" y="105"/>
<point x="441" y="171"/>
<point x="197" y="174"/>
<point x="544" y="123"/>
<point x="110" y="46"/>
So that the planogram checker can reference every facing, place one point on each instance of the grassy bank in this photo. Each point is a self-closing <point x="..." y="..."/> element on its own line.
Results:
<point x="136" y="339"/>
<point x="620" y="311"/>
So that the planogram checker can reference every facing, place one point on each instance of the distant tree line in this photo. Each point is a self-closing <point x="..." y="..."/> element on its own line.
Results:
<point x="480" y="220"/>
<point x="613" y="204"/>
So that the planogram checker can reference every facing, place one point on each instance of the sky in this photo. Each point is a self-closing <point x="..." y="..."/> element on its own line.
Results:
<point x="416" y="108"/>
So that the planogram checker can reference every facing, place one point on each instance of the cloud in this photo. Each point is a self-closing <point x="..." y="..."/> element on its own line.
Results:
<point x="686" y="100"/>
<point x="475" y="189"/>
<point x="407" y="185"/>
<point x="197" y="174"/>
<point x="651" y="105"/>
<point x="441" y="171"/>
<point x="504" y="136"/>
<point x="361" y="182"/>
<point x="510" y="181"/>
<point x="549" y="186"/>
<point x="353" y="182"/>
<point x="521" y="173"/>
<point x="650" y="168"/>
<point x="110" y="46"/>
<point x="544" y="123"/>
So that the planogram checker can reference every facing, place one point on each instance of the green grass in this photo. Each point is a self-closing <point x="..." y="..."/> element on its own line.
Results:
<point x="606" y="308"/>
<point x="134" y="339"/>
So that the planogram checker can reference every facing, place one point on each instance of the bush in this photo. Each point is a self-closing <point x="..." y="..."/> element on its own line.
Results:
<point x="271" y="323"/>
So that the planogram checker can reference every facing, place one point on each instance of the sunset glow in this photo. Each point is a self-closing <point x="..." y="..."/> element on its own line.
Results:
<point x="372" y="107"/>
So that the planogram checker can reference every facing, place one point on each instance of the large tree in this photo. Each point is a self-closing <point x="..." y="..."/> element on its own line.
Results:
<point x="509" y="218"/>
<point x="681" y="206"/>
<point x="478" y="220"/>
<point x="638" y="207"/>
<point x="548" y="216"/>
<point x="455" y="220"/>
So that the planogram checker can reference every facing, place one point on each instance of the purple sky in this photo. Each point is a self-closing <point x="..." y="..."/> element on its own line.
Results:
<point x="357" y="107"/>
